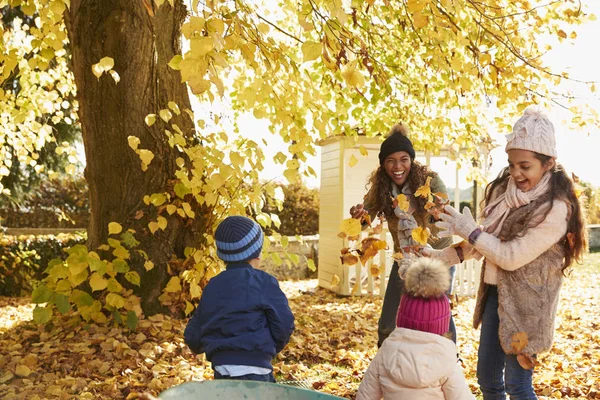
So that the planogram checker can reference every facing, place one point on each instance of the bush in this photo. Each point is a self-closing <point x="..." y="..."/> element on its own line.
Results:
<point x="23" y="259"/>
<point x="300" y="212"/>
<point x="58" y="203"/>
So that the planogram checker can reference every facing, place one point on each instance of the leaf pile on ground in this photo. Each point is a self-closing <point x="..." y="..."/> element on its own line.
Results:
<point x="335" y="340"/>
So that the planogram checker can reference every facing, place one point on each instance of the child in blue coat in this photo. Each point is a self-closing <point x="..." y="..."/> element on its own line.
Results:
<point x="243" y="319"/>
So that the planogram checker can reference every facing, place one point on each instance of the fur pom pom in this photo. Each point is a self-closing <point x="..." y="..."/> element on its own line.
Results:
<point x="399" y="129"/>
<point x="427" y="277"/>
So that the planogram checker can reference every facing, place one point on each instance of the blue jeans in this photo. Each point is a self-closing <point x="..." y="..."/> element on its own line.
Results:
<point x="248" y="377"/>
<point x="499" y="373"/>
<point x="395" y="289"/>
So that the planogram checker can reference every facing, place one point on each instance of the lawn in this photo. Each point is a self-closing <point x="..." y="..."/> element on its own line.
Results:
<point x="334" y="342"/>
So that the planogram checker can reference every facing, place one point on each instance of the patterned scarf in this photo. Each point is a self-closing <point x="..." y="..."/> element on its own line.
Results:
<point x="495" y="213"/>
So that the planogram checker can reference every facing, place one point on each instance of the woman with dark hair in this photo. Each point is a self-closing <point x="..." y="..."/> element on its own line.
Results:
<point x="399" y="173"/>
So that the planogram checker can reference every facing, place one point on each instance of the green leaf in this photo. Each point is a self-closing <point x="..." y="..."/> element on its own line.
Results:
<point x="62" y="303"/>
<point x="181" y="190"/>
<point x="277" y="259"/>
<point x="42" y="315"/>
<point x="294" y="257"/>
<point x="81" y="298"/>
<point x="120" y="265"/>
<point x="114" y="285"/>
<point x="121" y="252"/>
<point x="311" y="264"/>
<point x="41" y="294"/>
<point x="98" y="266"/>
<point x="132" y="320"/>
<point x="78" y="259"/>
<point x="114" y="243"/>
<point x="133" y="277"/>
<point x="158" y="199"/>
<point x="174" y="63"/>
<point x="129" y="240"/>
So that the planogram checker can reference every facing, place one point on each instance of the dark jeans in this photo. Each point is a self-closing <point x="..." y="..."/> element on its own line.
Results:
<point x="248" y="377"/>
<point x="499" y="373"/>
<point x="391" y="302"/>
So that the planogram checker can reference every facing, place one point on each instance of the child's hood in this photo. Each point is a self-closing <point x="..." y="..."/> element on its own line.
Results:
<point x="418" y="359"/>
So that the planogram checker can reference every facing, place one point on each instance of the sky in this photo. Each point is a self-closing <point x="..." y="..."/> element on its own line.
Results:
<point x="576" y="148"/>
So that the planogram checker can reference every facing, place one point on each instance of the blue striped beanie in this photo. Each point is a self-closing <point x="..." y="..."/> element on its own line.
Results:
<point x="238" y="239"/>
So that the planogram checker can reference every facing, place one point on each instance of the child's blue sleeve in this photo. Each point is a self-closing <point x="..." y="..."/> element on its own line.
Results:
<point x="193" y="334"/>
<point x="279" y="315"/>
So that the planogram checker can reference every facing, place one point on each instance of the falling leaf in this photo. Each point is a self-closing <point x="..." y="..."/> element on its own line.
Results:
<point x="421" y="235"/>
<point x="353" y="161"/>
<point x="349" y="259"/>
<point x="363" y="150"/>
<point x="335" y="280"/>
<point x="375" y="270"/>
<point x="425" y="190"/>
<point x="368" y="254"/>
<point x="397" y="256"/>
<point x="377" y="229"/>
<point x="403" y="202"/>
<point x="366" y="219"/>
<point x="342" y="235"/>
<point x="345" y="250"/>
<point x="351" y="227"/>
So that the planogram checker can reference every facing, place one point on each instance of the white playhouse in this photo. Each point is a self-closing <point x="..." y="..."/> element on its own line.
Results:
<point x="343" y="186"/>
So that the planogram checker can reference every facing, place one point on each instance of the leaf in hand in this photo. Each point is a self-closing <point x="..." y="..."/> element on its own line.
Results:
<point x="351" y="227"/>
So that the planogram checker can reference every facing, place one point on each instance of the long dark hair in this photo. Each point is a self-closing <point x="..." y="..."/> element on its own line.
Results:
<point x="379" y="194"/>
<point x="562" y="188"/>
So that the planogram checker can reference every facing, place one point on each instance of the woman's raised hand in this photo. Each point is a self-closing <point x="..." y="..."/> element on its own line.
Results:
<point x="358" y="211"/>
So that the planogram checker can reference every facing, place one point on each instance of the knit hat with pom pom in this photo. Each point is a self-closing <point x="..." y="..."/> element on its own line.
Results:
<point x="425" y="306"/>
<point x="533" y="132"/>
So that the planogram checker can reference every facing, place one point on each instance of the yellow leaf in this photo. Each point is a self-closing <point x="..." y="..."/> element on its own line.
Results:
<point x="174" y="285"/>
<point x="403" y="202"/>
<point x="162" y="222"/>
<point x="114" y="228"/>
<point x="153" y="226"/>
<point x="165" y="115"/>
<point x="375" y="270"/>
<point x="420" y="235"/>
<point x="148" y="265"/>
<point x="425" y="190"/>
<point x="188" y="210"/>
<point x="349" y="259"/>
<point x="351" y="227"/>
<point x="146" y="156"/>
<point x="311" y="50"/>
<point x="115" y="75"/>
<point x="106" y="63"/>
<point x="188" y="308"/>
<point x="97" y="282"/>
<point x="562" y="34"/>
<point x="353" y="161"/>
<point x="335" y="280"/>
<point x="22" y="371"/>
<point x="363" y="150"/>
<point x="150" y="120"/>
<point x="115" y="300"/>
<point x="171" y="209"/>
<point x="134" y="141"/>
<point x="397" y="256"/>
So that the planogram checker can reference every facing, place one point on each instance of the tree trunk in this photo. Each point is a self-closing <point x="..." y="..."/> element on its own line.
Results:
<point x="142" y="40"/>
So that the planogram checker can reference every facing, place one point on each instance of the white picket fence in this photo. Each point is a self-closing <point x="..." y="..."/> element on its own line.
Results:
<point x="466" y="278"/>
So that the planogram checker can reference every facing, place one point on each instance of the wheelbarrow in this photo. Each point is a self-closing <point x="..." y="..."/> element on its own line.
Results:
<point x="225" y="389"/>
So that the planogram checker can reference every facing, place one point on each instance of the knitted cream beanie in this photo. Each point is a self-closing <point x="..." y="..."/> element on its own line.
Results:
<point x="533" y="132"/>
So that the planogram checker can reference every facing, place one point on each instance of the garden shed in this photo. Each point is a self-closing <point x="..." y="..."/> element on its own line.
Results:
<point x="344" y="174"/>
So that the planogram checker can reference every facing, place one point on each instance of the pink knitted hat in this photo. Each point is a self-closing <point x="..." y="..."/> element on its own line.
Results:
<point x="425" y="306"/>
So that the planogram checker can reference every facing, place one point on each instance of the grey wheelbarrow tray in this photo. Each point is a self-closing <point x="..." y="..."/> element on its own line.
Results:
<point x="224" y="389"/>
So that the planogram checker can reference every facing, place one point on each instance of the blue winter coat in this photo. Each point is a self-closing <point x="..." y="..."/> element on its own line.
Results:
<point x="243" y="318"/>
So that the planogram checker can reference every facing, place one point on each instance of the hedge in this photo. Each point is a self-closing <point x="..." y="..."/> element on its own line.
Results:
<point x="24" y="258"/>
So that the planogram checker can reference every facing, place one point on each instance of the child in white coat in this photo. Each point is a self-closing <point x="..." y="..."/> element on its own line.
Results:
<point x="417" y="361"/>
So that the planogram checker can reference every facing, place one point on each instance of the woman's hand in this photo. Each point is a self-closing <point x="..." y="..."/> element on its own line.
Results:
<point x="456" y="223"/>
<point x="358" y="211"/>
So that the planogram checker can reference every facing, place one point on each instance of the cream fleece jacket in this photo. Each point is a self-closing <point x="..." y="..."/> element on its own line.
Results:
<point x="514" y="254"/>
<point x="415" y="365"/>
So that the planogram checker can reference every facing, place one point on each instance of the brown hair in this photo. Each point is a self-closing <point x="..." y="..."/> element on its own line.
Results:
<point x="562" y="188"/>
<point x="379" y="194"/>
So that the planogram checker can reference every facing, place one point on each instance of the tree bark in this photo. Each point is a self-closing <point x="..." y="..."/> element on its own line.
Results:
<point x="142" y="40"/>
